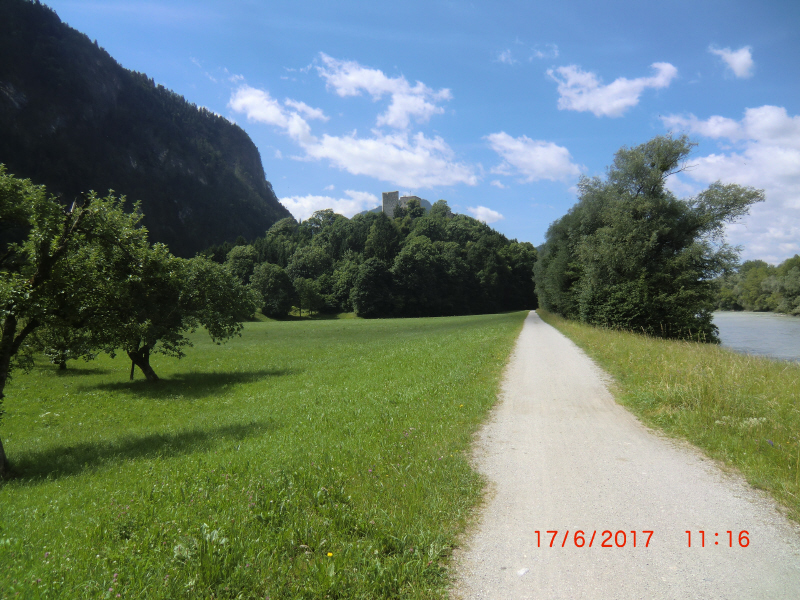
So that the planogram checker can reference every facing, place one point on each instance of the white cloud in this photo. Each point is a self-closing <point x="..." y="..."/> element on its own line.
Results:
<point x="414" y="161"/>
<point x="532" y="159"/>
<point x="767" y="124"/>
<point x="306" y="110"/>
<point x="506" y="58"/>
<point x="348" y="78"/>
<point x="302" y="207"/>
<point x="278" y="154"/>
<point x="583" y="91"/>
<point x="765" y="154"/>
<point x="498" y="184"/>
<point x="330" y="188"/>
<point x="410" y="161"/>
<point x="739" y="61"/>
<point x="487" y="215"/>
<point x="259" y="106"/>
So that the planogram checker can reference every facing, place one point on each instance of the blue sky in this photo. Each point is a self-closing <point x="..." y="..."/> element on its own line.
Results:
<point x="497" y="107"/>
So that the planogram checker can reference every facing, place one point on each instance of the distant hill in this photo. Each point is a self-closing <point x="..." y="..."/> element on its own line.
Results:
<point x="73" y="119"/>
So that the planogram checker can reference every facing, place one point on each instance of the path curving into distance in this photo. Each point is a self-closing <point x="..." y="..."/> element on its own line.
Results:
<point x="562" y="456"/>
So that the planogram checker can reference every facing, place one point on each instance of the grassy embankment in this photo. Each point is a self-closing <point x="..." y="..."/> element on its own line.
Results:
<point x="742" y="410"/>
<point x="308" y="459"/>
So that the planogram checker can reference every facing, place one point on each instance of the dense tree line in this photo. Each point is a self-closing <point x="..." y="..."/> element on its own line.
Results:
<point x="412" y="264"/>
<point x="759" y="286"/>
<point x="73" y="119"/>
<point x="631" y="255"/>
<point x="84" y="279"/>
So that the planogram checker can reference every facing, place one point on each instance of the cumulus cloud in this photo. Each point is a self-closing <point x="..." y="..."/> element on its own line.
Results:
<point x="583" y="91"/>
<point x="305" y="110"/>
<point x="349" y="78"/>
<point x="532" y="159"/>
<point x="415" y="161"/>
<point x="411" y="161"/>
<point x="498" y="184"/>
<point x="487" y="215"/>
<point x="739" y="61"/>
<point x="761" y="150"/>
<point x="302" y="207"/>
<point x="259" y="106"/>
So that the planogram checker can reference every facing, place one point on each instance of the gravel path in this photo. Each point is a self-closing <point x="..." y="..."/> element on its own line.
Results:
<point x="563" y="456"/>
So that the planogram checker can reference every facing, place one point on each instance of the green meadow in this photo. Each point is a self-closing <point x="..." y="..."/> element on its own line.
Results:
<point x="306" y="459"/>
<point x="741" y="410"/>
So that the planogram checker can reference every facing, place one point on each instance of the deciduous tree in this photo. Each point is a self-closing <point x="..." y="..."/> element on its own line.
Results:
<point x="630" y="254"/>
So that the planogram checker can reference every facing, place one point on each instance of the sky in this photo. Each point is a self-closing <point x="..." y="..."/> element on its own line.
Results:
<point x="497" y="107"/>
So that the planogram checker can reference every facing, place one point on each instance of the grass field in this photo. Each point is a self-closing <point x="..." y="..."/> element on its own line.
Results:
<point x="742" y="410"/>
<point x="307" y="459"/>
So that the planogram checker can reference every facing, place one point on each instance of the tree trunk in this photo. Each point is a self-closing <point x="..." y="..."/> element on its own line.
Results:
<point x="133" y="367"/>
<point x="141" y="358"/>
<point x="6" y="352"/>
<point x="3" y="461"/>
<point x="62" y="365"/>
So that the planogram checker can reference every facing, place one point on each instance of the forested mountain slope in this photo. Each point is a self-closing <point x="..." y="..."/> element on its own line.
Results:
<point x="73" y="119"/>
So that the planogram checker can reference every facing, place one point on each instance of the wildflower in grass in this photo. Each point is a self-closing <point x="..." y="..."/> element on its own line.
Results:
<point x="330" y="553"/>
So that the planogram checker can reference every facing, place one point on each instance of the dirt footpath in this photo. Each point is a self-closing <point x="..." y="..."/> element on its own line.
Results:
<point x="562" y="456"/>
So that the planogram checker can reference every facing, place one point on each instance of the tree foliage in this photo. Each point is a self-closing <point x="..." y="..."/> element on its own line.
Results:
<point x="631" y="255"/>
<point x="274" y="288"/>
<point x="86" y="279"/>
<point x="417" y="264"/>
<point x="759" y="286"/>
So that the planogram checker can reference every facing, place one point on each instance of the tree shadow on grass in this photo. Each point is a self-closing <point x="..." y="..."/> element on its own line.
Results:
<point x="189" y="386"/>
<point x="77" y="371"/>
<point x="67" y="460"/>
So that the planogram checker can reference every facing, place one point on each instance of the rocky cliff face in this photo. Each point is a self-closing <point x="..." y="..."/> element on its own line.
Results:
<point x="73" y="119"/>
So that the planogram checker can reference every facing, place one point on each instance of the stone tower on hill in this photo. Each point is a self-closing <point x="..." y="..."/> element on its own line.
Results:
<point x="392" y="200"/>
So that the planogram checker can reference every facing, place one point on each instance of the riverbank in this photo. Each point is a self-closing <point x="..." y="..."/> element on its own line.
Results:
<point x="740" y="409"/>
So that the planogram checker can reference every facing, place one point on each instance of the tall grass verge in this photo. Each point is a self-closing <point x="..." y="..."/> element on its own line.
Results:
<point x="742" y="410"/>
<point x="308" y="459"/>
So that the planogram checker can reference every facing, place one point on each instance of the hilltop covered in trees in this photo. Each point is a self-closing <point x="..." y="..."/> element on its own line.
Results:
<point x="416" y="264"/>
<point x="759" y="286"/>
<point x="73" y="119"/>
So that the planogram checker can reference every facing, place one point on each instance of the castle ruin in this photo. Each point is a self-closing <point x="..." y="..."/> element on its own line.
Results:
<point x="392" y="200"/>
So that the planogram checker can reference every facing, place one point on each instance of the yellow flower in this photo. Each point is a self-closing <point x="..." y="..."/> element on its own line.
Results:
<point x="330" y="553"/>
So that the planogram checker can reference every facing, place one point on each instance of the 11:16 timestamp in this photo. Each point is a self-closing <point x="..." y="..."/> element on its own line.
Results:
<point x="744" y="539"/>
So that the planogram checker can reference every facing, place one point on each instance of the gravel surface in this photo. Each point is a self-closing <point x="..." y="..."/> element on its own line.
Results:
<point x="562" y="456"/>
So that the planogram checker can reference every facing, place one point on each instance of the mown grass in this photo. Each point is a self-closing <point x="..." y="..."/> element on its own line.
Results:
<point x="742" y="410"/>
<point x="308" y="459"/>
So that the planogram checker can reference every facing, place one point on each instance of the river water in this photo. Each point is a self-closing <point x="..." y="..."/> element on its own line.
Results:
<point x="766" y="334"/>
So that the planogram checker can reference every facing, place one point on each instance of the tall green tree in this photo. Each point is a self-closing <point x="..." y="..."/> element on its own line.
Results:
<point x="241" y="261"/>
<point x="274" y="288"/>
<point x="632" y="255"/>
<point x="371" y="295"/>
<point x="383" y="240"/>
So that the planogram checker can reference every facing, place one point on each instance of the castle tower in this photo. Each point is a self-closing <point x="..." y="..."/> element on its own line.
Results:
<point x="390" y="201"/>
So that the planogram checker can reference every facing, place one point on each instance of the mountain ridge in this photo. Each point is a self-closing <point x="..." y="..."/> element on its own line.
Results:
<point x="75" y="120"/>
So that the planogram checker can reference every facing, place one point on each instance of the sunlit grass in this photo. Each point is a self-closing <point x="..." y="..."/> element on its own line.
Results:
<point x="308" y="459"/>
<point x="742" y="410"/>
